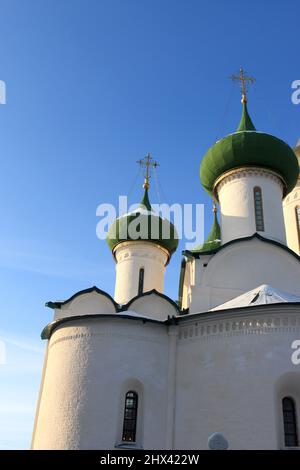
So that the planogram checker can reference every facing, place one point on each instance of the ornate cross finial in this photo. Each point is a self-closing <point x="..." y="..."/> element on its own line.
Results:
<point x="148" y="163"/>
<point x="243" y="79"/>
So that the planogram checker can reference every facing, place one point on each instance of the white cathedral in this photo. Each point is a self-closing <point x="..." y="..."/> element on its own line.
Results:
<point x="142" y="371"/>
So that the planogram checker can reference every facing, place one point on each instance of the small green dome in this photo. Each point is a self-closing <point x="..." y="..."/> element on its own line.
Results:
<point x="213" y="240"/>
<point x="248" y="147"/>
<point x="145" y="225"/>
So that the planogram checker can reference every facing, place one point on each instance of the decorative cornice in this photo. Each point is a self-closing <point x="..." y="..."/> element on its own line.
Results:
<point x="211" y="327"/>
<point x="51" y="327"/>
<point x="247" y="171"/>
<point x="244" y="323"/>
<point x="293" y="197"/>
<point x="266" y="318"/>
<point x="107" y="334"/>
<point x="139" y="243"/>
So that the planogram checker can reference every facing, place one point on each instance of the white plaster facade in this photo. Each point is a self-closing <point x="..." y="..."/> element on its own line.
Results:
<point x="291" y="217"/>
<point x="290" y="204"/>
<point x="194" y="377"/>
<point x="130" y="258"/>
<point x="195" y="374"/>
<point x="235" y="192"/>
<point x="195" y="371"/>
<point x="238" y="267"/>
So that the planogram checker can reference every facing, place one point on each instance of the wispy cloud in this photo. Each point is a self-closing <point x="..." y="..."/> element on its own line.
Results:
<point x="21" y="342"/>
<point x="38" y="262"/>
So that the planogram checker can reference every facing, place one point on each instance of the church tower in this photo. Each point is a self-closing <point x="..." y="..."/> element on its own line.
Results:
<point x="142" y="243"/>
<point x="249" y="173"/>
<point x="291" y="211"/>
<point x="143" y="371"/>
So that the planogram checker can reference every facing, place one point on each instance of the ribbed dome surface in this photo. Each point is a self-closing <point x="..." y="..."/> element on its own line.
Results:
<point x="248" y="147"/>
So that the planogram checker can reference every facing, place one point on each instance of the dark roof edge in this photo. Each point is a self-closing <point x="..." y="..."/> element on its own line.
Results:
<point x="82" y="292"/>
<point x="149" y="292"/>
<point x="243" y="239"/>
<point x="245" y="309"/>
<point x="49" y="329"/>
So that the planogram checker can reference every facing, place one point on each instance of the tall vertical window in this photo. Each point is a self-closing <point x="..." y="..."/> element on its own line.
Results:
<point x="289" y="422"/>
<point x="141" y="281"/>
<point x="297" y="211"/>
<point x="130" y="417"/>
<point x="258" y="209"/>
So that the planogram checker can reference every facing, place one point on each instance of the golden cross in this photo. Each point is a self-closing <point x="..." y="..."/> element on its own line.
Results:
<point x="148" y="163"/>
<point x="243" y="79"/>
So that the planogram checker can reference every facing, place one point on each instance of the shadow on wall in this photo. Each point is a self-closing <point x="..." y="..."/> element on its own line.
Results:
<point x="233" y="227"/>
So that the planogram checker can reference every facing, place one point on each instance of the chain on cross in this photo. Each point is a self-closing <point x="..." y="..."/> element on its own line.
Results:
<point x="149" y="164"/>
<point x="244" y="80"/>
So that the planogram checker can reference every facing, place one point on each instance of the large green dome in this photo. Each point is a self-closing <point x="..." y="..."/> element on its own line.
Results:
<point x="143" y="224"/>
<point x="249" y="148"/>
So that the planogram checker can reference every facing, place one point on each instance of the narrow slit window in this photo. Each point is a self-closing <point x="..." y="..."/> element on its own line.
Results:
<point x="130" y="417"/>
<point x="289" y="422"/>
<point x="258" y="209"/>
<point x="297" y="210"/>
<point x="141" y="281"/>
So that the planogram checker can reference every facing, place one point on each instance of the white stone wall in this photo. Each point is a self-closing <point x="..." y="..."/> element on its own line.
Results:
<point x="235" y="194"/>
<point x="90" y="366"/>
<point x="90" y="303"/>
<point x="290" y="203"/>
<point x="239" y="268"/>
<point x="154" y="306"/>
<point x="224" y="372"/>
<point x="131" y="257"/>
<point x="232" y="373"/>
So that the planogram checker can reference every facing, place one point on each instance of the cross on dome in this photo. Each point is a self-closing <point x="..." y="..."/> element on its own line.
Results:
<point x="148" y="163"/>
<point x="243" y="79"/>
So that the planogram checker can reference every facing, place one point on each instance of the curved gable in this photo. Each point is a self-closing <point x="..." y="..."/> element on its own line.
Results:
<point x="87" y="302"/>
<point x="241" y="266"/>
<point x="153" y="304"/>
<point x="199" y="254"/>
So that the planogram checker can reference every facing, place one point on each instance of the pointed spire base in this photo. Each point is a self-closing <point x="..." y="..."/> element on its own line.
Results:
<point x="246" y="123"/>
<point x="145" y="201"/>
<point x="146" y="184"/>
<point x="244" y="99"/>
<point x="213" y="241"/>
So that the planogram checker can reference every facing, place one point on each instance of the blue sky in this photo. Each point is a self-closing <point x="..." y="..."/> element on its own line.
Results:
<point x="92" y="86"/>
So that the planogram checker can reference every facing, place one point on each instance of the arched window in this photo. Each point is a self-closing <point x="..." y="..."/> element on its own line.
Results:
<point x="258" y="209"/>
<point x="289" y="422"/>
<point x="130" y="417"/>
<point x="297" y="212"/>
<point x="141" y="281"/>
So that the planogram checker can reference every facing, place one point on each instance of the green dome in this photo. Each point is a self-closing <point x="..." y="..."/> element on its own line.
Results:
<point x="143" y="224"/>
<point x="248" y="147"/>
<point x="213" y="240"/>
